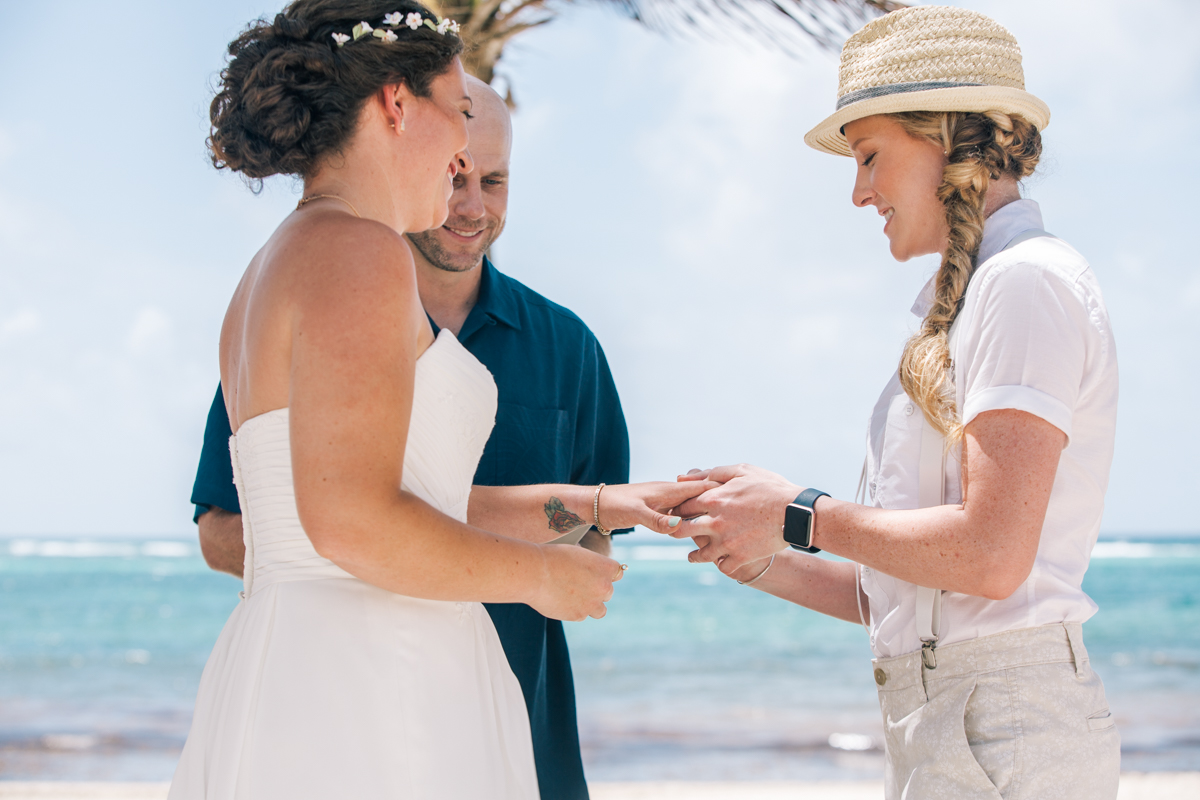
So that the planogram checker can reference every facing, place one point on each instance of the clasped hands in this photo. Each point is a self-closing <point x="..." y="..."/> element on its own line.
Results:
<point x="737" y="524"/>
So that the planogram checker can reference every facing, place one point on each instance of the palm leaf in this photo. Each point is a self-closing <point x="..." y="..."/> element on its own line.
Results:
<point x="787" y="25"/>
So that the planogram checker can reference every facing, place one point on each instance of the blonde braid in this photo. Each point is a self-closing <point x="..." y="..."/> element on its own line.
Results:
<point x="980" y="148"/>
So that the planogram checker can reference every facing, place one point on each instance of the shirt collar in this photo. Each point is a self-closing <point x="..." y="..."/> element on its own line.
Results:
<point x="497" y="302"/>
<point x="1006" y="224"/>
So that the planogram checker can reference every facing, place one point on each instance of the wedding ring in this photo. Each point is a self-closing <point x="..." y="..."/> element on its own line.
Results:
<point x="624" y="567"/>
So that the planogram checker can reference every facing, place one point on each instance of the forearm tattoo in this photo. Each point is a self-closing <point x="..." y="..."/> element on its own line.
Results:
<point x="562" y="520"/>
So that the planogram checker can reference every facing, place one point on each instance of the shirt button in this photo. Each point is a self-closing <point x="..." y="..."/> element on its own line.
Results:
<point x="880" y="677"/>
<point x="908" y="410"/>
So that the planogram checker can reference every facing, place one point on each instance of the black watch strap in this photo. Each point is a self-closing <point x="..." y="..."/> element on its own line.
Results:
<point x="798" y="522"/>
<point x="808" y="497"/>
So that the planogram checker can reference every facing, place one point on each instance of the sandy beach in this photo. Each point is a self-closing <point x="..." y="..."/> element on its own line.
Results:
<point x="1134" y="786"/>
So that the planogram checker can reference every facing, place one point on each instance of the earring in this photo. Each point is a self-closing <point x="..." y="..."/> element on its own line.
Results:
<point x="402" y="124"/>
<point x="392" y="125"/>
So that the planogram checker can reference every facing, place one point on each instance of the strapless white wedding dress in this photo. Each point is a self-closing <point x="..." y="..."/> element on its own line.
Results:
<point x="323" y="686"/>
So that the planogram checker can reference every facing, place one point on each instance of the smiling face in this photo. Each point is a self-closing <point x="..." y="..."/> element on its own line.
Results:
<point x="899" y="175"/>
<point x="435" y="127"/>
<point x="480" y="201"/>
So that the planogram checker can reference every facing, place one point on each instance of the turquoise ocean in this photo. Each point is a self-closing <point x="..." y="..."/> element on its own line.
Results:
<point x="690" y="676"/>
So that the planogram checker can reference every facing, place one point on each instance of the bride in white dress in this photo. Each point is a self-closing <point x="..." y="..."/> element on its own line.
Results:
<point x="360" y="663"/>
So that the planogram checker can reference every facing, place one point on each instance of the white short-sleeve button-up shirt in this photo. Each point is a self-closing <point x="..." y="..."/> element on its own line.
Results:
<point x="1033" y="335"/>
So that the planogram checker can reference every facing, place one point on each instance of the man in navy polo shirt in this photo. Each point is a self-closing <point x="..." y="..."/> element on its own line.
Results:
<point x="559" y="420"/>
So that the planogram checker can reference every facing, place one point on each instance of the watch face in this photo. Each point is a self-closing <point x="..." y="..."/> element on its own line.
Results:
<point x="797" y="525"/>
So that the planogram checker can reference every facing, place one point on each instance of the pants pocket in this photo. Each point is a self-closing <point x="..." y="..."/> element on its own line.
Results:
<point x="1101" y="721"/>
<point x="993" y="728"/>
<point x="928" y="753"/>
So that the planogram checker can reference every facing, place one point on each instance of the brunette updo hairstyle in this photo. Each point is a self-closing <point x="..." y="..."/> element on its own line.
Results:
<point x="290" y="96"/>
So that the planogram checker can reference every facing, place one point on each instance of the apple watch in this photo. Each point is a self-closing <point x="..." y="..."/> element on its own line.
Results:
<point x="798" y="520"/>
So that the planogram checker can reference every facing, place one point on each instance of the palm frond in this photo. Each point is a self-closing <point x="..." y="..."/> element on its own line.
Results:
<point x="789" y="25"/>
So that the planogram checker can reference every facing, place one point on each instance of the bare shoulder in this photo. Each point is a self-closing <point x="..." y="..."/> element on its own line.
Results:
<point x="344" y="285"/>
<point x="330" y="256"/>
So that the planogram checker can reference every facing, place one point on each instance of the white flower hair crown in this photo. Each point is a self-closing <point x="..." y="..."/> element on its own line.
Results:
<point x="387" y="29"/>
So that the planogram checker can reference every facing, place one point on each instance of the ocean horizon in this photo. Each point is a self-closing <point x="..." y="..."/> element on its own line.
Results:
<point x="690" y="676"/>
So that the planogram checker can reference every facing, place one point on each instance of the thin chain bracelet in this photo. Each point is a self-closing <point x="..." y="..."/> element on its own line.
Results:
<point x="753" y="581"/>
<point x="596" y="512"/>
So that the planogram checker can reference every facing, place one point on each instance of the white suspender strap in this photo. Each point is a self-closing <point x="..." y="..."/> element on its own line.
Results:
<point x="860" y="494"/>
<point x="929" y="613"/>
<point x="931" y="485"/>
<point x="931" y="472"/>
<point x="860" y="497"/>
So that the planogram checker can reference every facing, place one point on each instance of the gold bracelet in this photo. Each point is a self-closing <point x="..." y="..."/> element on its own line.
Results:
<point x="753" y="581"/>
<point x="596" y="512"/>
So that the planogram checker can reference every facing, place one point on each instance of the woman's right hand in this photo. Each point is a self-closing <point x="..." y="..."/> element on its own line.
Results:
<point x="576" y="583"/>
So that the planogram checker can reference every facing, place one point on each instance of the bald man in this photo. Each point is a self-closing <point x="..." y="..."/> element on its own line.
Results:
<point x="559" y="420"/>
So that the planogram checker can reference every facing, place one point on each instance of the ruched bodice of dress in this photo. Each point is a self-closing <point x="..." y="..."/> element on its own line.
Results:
<point x="453" y="410"/>
<point x="322" y="685"/>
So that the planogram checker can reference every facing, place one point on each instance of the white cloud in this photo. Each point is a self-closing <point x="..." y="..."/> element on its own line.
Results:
<point x="19" y="225"/>
<point x="1191" y="293"/>
<point x="1132" y="265"/>
<point x="25" y="322"/>
<point x="150" y="333"/>
<point x="8" y="145"/>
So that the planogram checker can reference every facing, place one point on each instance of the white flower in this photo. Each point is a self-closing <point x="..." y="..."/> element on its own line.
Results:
<point x="361" y="30"/>
<point x="413" y="20"/>
<point x="388" y="37"/>
<point x="454" y="26"/>
<point x="393" y="19"/>
<point x="443" y="25"/>
<point x="340" y="38"/>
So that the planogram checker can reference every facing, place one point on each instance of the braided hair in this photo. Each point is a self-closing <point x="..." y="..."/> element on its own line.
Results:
<point x="981" y="148"/>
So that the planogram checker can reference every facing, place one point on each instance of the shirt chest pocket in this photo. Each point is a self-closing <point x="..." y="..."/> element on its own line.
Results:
<point x="528" y="445"/>
<point x="897" y="484"/>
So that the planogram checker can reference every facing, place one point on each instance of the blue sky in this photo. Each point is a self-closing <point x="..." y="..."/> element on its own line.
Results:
<point x="660" y="189"/>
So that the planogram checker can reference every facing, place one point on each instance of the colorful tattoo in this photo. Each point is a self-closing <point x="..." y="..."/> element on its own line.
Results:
<point x="562" y="520"/>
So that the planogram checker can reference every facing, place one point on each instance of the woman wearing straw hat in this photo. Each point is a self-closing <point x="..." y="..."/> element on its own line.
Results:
<point x="988" y="452"/>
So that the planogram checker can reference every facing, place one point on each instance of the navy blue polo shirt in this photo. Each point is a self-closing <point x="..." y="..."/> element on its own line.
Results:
<point x="559" y="420"/>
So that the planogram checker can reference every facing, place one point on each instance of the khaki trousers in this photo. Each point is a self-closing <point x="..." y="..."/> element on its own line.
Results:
<point x="1016" y="715"/>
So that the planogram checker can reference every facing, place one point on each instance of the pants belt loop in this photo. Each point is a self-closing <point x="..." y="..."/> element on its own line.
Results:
<point x="1078" y="651"/>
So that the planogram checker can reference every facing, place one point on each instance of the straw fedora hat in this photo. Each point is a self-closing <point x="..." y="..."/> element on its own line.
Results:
<point x="928" y="58"/>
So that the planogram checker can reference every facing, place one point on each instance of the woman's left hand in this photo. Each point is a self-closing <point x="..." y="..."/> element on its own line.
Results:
<point x="740" y="520"/>
<point x="651" y="505"/>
